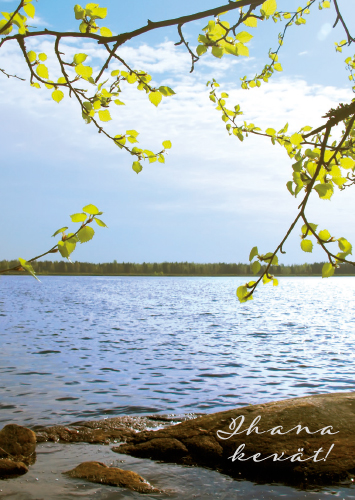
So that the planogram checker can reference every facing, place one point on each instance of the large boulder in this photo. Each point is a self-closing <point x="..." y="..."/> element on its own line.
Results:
<point x="10" y="468"/>
<point x="17" y="442"/>
<point x="97" y="472"/>
<point x="309" y="440"/>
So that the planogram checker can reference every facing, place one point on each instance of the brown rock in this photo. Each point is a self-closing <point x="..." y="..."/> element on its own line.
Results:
<point x="160" y="448"/>
<point x="100" y="431"/>
<point x="17" y="441"/>
<point x="80" y="434"/>
<point x="97" y="472"/>
<point x="10" y="468"/>
<point x="210" y="440"/>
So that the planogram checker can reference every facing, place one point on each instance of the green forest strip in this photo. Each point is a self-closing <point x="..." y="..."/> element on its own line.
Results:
<point x="171" y="269"/>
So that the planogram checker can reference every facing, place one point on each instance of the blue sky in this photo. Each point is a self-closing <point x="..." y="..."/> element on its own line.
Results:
<point x="215" y="197"/>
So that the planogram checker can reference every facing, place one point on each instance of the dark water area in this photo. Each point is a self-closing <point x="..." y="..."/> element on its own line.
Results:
<point x="76" y="348"/>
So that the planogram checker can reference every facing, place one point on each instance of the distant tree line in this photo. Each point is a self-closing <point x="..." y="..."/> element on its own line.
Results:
<point x="172" y="268"/>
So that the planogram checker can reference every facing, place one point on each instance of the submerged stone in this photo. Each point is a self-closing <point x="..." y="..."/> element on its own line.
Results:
<point x="97" y="472"/>
<point x="10" y="468"/>
<point x="18" y="442"/>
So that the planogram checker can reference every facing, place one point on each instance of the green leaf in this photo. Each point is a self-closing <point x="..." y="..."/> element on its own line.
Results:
<point x="83" y="71"/>
<point x="307" y="245"/>
<point x="91" y="209"/>
<point x="79" y="12"/>
<point x="61" y="230"/>
<point x="275" y="259"/>
<point x="255" y="267"/>
<point x="28" y="267"/>
<point x="104" y="115"/>
<point x="345" y="246"/>
<point x="78" y="217"/>
<point x="242" y="50"/>
<point x="324" y="235"/>
<point x="99" y="222"/>
<point x="30" y="10"/>
<point x="167" y="91"/>
<point x="347" y="163"/>
<point x="83" y="27"/>
<point x="324" y="191"/>
<point x="155" y="97"/>
<point x="231" y="49"/>
<point x="67" y="247"/>
<point x="137" y="167"/>
<point x="243" y="37"/>
<point x="79" y="58"/>
<point x="266" y="279"/>
<point x="2" y="24"/>
<point x="105" y="32"/>
<point x="57" y="95"/>
<point x="217" y="51"/>
<point x="201" y="49"/>
<point x="166" y="144"/>
<point x="242" y="291"/>
<point x="251" y="22"/>
<point x="268" y="7"/>
<point x="305" y="228"/>
<point x="327" y="270"/>
<point x="85" y="234"/>
<point x="289" y="187"/>
<point x="133" y="133"/>
<point x="42" y="71"/>
<point x="296" y="139"/>
<point x="253" y="253"/>
<point x="32" y="56"/>
<point x="297" y="167"/>
<point x="63" y="250"/>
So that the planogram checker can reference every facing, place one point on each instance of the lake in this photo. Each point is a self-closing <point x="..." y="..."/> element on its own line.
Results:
<point x="76" y="348"/>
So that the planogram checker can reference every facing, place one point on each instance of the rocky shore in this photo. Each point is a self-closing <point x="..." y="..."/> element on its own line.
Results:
<point x="301" y="442"/>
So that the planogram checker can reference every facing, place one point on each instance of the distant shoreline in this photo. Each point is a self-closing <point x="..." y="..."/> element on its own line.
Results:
<point x="176" y="275"/>
<point x="212" y="269"/>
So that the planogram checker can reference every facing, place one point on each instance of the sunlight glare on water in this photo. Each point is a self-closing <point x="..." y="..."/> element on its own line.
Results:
<point x="87" y="347"/>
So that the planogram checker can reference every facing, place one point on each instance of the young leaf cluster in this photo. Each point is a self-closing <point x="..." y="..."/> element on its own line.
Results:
<point x="319" y="165"/>
<point x="68" y="241"/>
<point x="77" y="74"/>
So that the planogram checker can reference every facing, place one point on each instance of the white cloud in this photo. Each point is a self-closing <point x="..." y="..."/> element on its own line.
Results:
<point x="38" y="22"/>
<point x="324" y="31"/>
<point x="207" y="173"/>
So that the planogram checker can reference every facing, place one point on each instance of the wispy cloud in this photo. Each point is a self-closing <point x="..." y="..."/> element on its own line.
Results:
<point x="324" y="31"/>
<point x="208" y="174"/>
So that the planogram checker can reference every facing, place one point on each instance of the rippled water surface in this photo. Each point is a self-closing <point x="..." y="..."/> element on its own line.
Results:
<point x="88" y="347"/>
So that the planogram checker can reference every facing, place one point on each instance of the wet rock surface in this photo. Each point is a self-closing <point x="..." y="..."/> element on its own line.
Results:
<point x="103" y="431"/>
<point x="10" y="468"/>
<point x="323" y="457"/>
<point x="98" y="472"/>
<point x="18" y="443"/>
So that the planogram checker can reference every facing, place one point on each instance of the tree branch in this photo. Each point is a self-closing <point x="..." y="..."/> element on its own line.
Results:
<point x="124" y="37"/>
